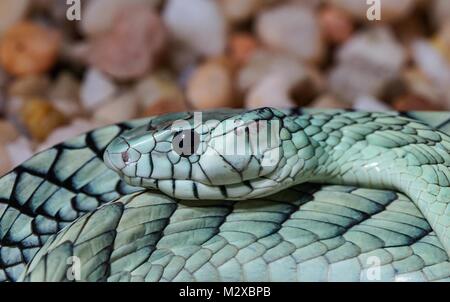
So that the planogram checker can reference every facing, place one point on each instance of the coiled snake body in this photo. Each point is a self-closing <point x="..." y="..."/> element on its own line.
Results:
<point x="286" y="225"/>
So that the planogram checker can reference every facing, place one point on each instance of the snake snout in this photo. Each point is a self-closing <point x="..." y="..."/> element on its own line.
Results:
<point x="119" y="160"/>
<point x="114" y="161"/>
<point x="119" y="154"/>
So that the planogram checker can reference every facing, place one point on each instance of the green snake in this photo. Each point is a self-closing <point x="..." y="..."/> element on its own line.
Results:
<point x="308" y="195"/>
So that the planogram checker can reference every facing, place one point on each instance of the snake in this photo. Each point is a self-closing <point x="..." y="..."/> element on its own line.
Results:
<point x="236" y="195"/>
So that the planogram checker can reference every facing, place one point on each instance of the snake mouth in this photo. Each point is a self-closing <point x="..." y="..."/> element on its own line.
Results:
<point x="118" y="167"/>
<point x="139" y="182"/>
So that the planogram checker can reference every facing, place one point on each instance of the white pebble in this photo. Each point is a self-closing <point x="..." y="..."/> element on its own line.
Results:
<point x="435" y="67"/>
<point x="263" y="63"/>
<point x="366" y="64"/>
<point x="431" y="62"/>
<point x="11" y="11"/>
<point x="98" y="15"/>
<point x="19" y="151"/>
<point x="293" y="29"/>
<point x="122" y="108"/>
<point x="271" y="91"/>
<point x="96" y="88"/>
<point x="199" y="24"/>
<point x="369" y="103"/>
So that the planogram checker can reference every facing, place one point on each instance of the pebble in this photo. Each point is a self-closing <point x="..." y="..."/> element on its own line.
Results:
<point x="262" y="63"/>
<point x="95" y="89"/>
<point x="292" y="28"/>
<point x="435" y="67"/>
<point x="367" y="62"/>
<point x="329" y="101"/>
<point x="411" y="102"/>
<point x="29" y="48"/>
<point x="132" y="47"/>
<point x="337" y="26"/>
<point x="68" y="107"/>
<point x="199" y="24"/>
<point x="442" y="41"/>
<point x="8" y="132"/>
<point x="76" y="52"/>
<point x="13" y="106"/>
<point x="159" y="94"/>
<point x="19" y="151"/>
<point x="211" y="85"/>
<point x="65" y="95"/>
<point x="369" y="103"/>
<point x="99" y="15"/>
<point x="409" y="29"/>
<point x="284" y="90"/>
<point x="29" y="86"/>
<point x="272" y="91"/>
<point x="389" y="10"/>
<point x="76" y="127"/>
<point x="163" y="106"/>
<point x="122" y="108"/>
<point x="65" y="87"/>
<point x="181" y="58"/>
<point x="5" y="161"/>
<point x="440" y="12"/>
<point x="241" y="47"/>
<point x="237" y="11"/>
<point x="418" y="84"/>
<point x="40" y="118"/>
<point x="158" y="87"/>
<point x="12" y="11"/>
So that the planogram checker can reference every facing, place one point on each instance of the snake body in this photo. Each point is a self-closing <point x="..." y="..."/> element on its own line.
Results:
<point x="283" y="227"/>
<point x="373" y="150"/>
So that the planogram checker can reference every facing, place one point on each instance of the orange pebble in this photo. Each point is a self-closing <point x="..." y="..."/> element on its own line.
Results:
<point x="336" y="25"/>
<point x="411" y="102"/>
<point x="8" y="132"/>
<point x="211" y="85"/>
<point x="41" y="118"/>
<point x="242" y="46"/>
<point x="163" y="106"/>
<point x="28" y="48"/>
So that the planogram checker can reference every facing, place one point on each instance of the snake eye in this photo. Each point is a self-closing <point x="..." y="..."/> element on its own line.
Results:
<point x="185" y="143"/>
<point x="125" y="157"/>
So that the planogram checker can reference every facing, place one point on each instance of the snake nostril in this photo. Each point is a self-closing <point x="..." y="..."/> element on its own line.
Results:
<point x="125" y="157"/>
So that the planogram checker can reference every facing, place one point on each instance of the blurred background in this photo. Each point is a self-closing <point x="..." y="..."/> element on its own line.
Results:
<point x="70" y="66"/>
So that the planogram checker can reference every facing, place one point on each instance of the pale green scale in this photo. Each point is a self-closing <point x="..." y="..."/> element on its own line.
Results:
<point x="289" y="149"/>
<point x="320" y="136"/>
<point x="312" y="130"/>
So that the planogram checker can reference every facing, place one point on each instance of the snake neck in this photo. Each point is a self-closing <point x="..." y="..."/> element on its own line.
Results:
<point x="385" y="152"/>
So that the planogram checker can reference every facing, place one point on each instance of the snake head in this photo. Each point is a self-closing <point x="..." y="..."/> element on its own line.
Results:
<point x="214" y="155"/>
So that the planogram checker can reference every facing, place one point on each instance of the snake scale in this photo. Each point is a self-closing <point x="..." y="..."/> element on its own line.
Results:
<point x="340" y="196"/>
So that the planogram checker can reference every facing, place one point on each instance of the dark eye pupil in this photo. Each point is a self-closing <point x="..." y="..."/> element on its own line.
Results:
<point x="185" y="143"/>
